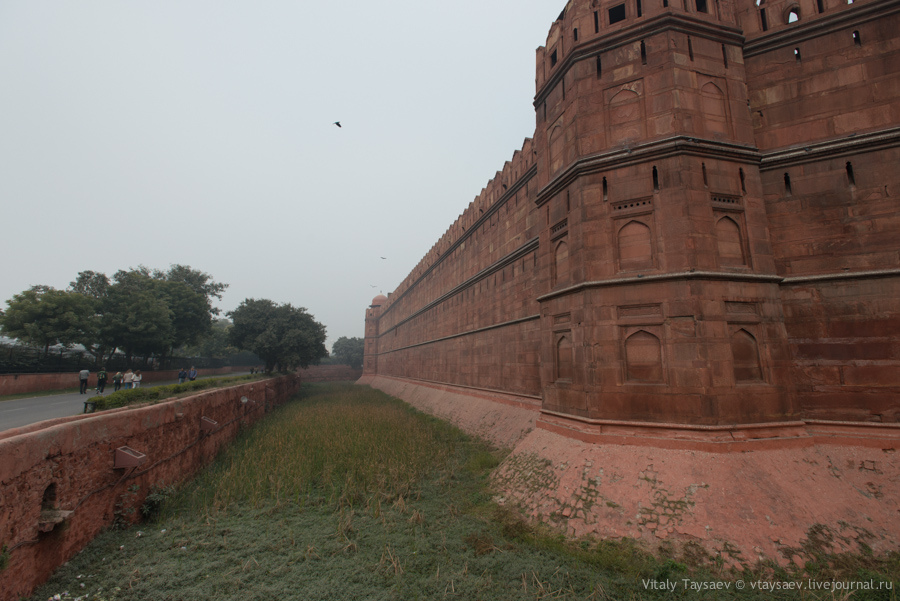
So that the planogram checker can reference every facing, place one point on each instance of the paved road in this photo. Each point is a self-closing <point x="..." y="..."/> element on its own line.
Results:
<point x="22" y="412"/>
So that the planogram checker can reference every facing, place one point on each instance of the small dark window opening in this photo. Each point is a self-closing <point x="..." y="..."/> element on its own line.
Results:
<point x="763" y="20"/>
<point x="616" y="14"/>
<point x="702" y="7"/>
<point x="640" y="13"/>
<point x="793" y="15"/>
<point x="797" y="54"/>
<point x="655" y="179"/>
<point x="599" y="67"/>
<point x="856" y="39"/>
<point x="850" y="176"/>
<point x="787" y="185"/>
<point x="553" y="59"/>
<point x="49" y="499"/>
<point x="820" y="5"/>
<point x="665" y="3"/>
<point x="643" y="53"/>
<point x="596" y="22"/>
<point x="568" y="202"/>
<point x="605" y="190"/>
<point x="724" y="56"/>
<point x="690" y="49"/>
<point x="575" y="33"/>
<point x="743" y="183"/>
<point x="705" y="181"/>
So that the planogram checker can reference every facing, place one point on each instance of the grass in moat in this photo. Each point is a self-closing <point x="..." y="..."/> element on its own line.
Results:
<point x="346" y="493"/>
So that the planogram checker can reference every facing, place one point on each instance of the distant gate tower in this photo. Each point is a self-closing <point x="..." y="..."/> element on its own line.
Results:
<point x="702" y="232"/>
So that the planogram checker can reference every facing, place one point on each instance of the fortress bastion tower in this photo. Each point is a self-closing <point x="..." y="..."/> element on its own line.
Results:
<point x="700" y="237"/>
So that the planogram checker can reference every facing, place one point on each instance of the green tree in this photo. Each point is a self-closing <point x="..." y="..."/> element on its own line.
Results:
<point x="283" y="336"/>
<point x="216" y="344"/>
<point x="135" y="316"/>
<point x="148" y="311"/>
<point x="191" y="318"/>
<point x="44" y="316"/>
<point x="91" y="284"/>
<point x="198" y="281"/>
<point x="349" y="351"/>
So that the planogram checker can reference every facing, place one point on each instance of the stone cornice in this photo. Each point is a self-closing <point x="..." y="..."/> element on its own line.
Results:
<point x="658" y="149"/>
<point x="520" y="252"/>
<point x="722" y="275"/>
<point x="830" y="277"/>
<point x="817" y="151"/>
<point x="641" y="29"/>
<point x="805" y="30"/>
<point x="461" y="334"/>
<point x="665" y="277"/>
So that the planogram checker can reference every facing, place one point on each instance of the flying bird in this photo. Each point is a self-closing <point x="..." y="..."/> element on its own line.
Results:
<point x="384" y="257"/>
<point x="372" y="286"/>
<point x="338" y="123"/>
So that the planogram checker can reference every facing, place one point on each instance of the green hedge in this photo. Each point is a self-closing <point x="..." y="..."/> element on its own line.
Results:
<point x="154" y="394"/>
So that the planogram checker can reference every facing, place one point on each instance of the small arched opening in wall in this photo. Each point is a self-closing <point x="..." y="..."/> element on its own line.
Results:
<point x="635" y="245"/>
<point x="792" y="14"/>
<point x="560" y="273"/>
<point x="49" y="500"/>
<point x="643" y="358"/>
<point x="745" y="354"/>
<point x="565" y="359"/>
<point x="730" y="242"/>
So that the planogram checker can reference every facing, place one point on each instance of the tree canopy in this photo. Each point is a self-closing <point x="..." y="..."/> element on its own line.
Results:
<point x="349" y="351"/>
<point x="283" y="336"/>
<point x="44" y="316"/>
<point x="139" y="311"/>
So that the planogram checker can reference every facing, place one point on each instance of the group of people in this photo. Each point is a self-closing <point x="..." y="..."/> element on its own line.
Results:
<point x="187" y="375"/>
<point x="130" y="379"/>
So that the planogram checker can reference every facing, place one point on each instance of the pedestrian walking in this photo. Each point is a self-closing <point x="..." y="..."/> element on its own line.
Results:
<point x="117" y="381"/>
<point x="182" y="376"/>
<point x="136" y="379"/>
<point x="83" y="376"/>
<point x="192" y="375"/>
<point x="127" y="378"/>
<point x="101" y="380"/>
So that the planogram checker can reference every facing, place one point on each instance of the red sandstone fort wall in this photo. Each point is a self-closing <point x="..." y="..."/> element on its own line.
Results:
<point x="59" y="486"/>
<point x="647" y="255"/>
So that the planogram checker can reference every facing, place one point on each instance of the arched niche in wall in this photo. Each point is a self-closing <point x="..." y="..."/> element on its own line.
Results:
<point x="559" y="275"/>
<point x="714" y="109"/>
<point x="643" y="358"/>
<point x="565" y="358"/>
<point x="556" y="147"/>
<point x="634" y="242"/>
<point x="625" y="111"/>
<point x="730" y="242"/>
<point x="745" y="354"/>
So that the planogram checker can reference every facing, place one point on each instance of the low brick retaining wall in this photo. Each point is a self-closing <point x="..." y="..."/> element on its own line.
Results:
<point x="24" y="383"/>
<point x="62" y="484"/>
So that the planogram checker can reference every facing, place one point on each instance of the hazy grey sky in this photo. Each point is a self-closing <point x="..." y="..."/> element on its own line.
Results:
<point x="200" y="132"/>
